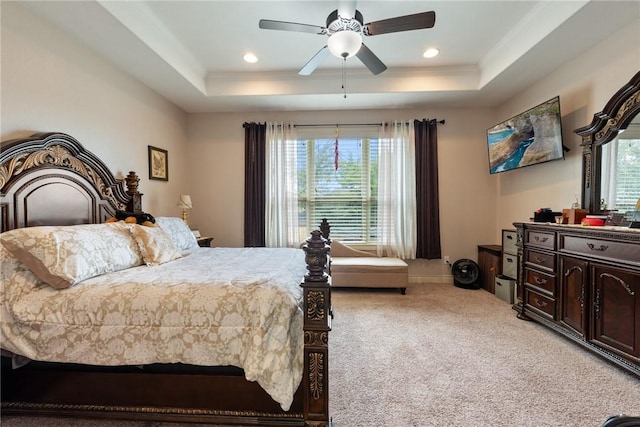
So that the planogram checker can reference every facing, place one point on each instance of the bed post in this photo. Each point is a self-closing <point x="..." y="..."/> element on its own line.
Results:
<point x="317" y="324"/>
<point x="135" y="204"/>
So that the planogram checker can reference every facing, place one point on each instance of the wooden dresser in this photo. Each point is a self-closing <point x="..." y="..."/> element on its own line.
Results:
<point x="584" y="283"/>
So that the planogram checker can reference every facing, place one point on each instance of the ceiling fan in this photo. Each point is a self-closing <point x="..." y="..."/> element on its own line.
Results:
<point x="345" y="29"/>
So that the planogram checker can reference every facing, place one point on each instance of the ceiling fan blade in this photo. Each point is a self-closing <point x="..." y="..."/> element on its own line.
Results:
<point x="267" y="24"/>
<point x="313" y="63"/>
<point x="347" y="8"/>
<point x="370" y="60"/>
<point x="416" y="21"/>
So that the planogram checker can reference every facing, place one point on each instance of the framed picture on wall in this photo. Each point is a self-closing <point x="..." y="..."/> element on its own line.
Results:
<point x="158" y="164"/>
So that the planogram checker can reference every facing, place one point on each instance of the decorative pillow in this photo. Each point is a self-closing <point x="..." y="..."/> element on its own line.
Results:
<point x="155" y="245"/>
<point x="62" y="256"/>
<point x="178" y="231"/>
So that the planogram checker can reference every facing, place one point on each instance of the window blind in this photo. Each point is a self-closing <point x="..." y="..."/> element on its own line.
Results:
<point x="337" y="170"/>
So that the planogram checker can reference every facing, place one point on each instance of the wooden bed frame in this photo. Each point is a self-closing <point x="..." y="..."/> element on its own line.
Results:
<point x="50" y="179"/>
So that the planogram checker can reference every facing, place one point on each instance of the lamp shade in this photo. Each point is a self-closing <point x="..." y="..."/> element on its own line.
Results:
<point x="345" y="44"/>
<point x="185" y="201"/>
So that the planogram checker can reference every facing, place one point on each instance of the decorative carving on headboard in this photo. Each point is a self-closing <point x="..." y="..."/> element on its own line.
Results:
<point x="59" y="150"/>
<point x="58" y="162"/>
<point x="55" y="155"/>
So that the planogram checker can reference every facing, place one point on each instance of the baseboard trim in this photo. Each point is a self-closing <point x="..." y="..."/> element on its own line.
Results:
<point x="446" y="278"/>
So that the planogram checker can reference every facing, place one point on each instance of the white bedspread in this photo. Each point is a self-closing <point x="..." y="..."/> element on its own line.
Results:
<point x="214" y="307"/>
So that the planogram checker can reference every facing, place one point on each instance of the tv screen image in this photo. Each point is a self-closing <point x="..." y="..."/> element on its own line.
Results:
<point x="529" y="138"/>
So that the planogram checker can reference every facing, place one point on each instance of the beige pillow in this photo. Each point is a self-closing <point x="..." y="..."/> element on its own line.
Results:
<point x="62" y="256"/>
<point x="155" y="245"/>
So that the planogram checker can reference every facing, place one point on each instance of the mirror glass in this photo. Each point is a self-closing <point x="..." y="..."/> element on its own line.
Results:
<point x="620" y="183"/>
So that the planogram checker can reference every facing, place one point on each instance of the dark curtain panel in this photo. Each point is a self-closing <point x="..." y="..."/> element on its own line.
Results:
<point x="254" y="183"/>
<point x="427" y="199"/>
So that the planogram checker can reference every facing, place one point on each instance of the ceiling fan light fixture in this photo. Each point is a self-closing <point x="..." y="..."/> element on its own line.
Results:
<point x="344" y="44"/>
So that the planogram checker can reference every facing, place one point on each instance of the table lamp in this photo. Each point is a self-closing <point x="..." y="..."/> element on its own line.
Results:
<point x="185" y="203"/>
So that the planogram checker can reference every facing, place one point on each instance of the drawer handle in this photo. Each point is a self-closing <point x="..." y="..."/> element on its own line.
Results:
<point x="540" y="303"/>
<point x="540" y="281"/>
<point x="540" y="239"/>
<point x="620" y="282"/>
<point x="593" y="247"/>
<point x="539" y="260"/>
<point x="509" y="260"/>
<point x="509" y="237"/>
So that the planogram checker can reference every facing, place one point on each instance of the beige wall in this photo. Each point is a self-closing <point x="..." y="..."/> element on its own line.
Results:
<point x="52" y="83"/>
<point x="467" y="191"/>
<point x="584" y="85"/>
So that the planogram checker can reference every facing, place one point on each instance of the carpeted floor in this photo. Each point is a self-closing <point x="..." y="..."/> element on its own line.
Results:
<point x="445" y="356"/>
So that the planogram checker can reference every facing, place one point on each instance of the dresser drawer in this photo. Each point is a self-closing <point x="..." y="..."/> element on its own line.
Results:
<point x="540" y="260"/>
<point x="541" y="304"/>
<point x="510" y="265"/>
<point x="540" y="239"/>
<point x="620" y="251"/>
<point x="542" y="281"/>
<point x="509" y="242"/>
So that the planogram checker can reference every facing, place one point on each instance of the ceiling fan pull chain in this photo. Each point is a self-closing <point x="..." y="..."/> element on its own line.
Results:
<point x="344" y="76"/>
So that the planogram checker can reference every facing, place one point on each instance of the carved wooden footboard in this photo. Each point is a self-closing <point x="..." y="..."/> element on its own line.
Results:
<point x="46" y="169"/>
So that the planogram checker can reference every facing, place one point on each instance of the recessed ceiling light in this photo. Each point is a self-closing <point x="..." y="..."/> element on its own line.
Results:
<point x="431" y="52"/>
<point x="250" y="58"/>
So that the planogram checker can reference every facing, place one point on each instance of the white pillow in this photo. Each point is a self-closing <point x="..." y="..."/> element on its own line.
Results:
<point x="155" y="245"/>
<point x="62" y="256"/>
<point x="178" y="231"/>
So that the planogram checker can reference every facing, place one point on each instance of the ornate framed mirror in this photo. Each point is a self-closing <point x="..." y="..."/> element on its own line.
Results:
<point x="618" y="113"/>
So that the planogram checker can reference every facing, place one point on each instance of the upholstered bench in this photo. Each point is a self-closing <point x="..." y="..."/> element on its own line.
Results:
<point x="355" y="268"/>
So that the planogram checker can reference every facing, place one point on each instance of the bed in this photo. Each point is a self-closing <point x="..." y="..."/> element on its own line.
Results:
<point x="161" y="329"/>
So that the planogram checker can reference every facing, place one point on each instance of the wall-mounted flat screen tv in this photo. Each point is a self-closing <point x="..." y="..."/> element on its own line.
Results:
<point x="529" y="138"/>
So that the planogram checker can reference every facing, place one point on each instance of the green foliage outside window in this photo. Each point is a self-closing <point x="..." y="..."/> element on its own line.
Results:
<point x="345" y="195"/>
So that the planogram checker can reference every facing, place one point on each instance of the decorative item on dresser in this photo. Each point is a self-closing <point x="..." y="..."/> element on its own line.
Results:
<point x="55" y="170"/>
<point x="584" y="283"/>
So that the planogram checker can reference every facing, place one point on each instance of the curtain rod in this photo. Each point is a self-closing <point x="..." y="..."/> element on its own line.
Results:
<point x="245" y="124"/>
<point x="354" y="124"/>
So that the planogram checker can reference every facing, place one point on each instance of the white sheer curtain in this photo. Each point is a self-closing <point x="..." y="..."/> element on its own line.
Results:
<point x="397" y="190"/>
<point x="281" y="204"/>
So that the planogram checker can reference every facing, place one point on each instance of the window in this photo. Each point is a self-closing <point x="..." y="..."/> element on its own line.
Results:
<point x="339" y="182"/>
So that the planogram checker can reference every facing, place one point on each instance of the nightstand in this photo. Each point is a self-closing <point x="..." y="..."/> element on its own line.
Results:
<point x="204" y="242"/>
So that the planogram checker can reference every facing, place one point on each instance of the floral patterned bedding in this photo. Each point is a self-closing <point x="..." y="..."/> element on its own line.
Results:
<point x="213" y="307"/>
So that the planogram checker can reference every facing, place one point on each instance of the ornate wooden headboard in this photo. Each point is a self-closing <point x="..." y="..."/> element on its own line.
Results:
<point x="51" y="179"/>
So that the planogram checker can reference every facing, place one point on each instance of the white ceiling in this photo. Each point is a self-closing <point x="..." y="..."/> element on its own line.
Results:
<point x="191" y="51"/>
